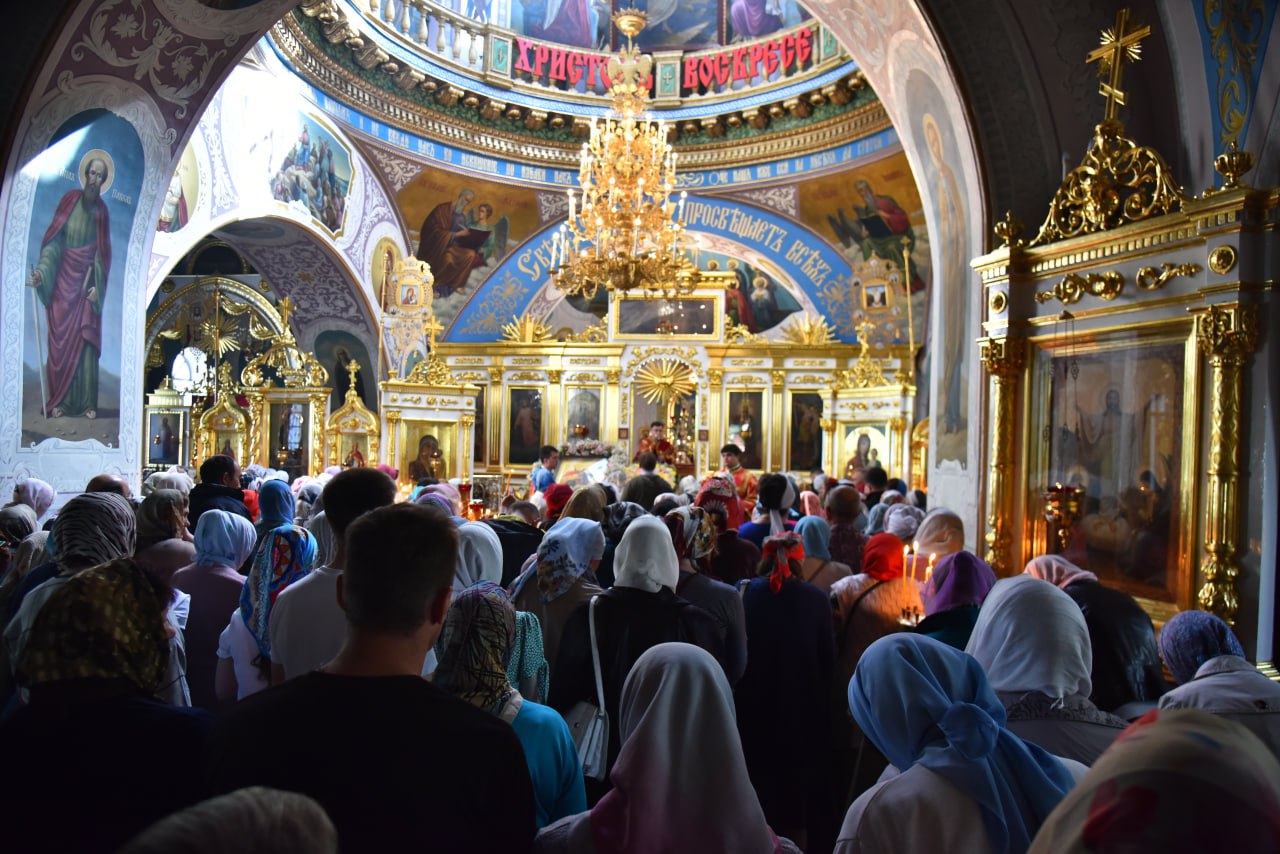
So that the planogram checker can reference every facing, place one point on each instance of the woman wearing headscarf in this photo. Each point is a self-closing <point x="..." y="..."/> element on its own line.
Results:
<point x="473" y="650"/>
<point x="967" y="783"/>
<point x="693" y="535"/>
<point x="562" y="577"/>
<point x="36" y="494"/>
<point x="790" y="660"/>
<point x="1127" y="677"/>
<point x="92" y="529"/>
<point x="1176" y="781"/>
<point x="275" y="507"/>
<point x="871" y="604"/>
<point x="479" y="556"/>
<point x="811" y="504"/>
<point x="308" y="495"/>
<point x="557" y="496"/>
<point x="952" y="597"/>
<point x="17" y="522"/>
<point x="1209" y="665"/>
<point x="844" y="509"/>
<point x="91" y="758"/>
<point x="174" y="478"/>
<point x="252" y="819"/>
<point x="941" y="533"/>
<point x="775" y="499"/>
<point x="1032" y="642"/>
<point x="640" y="611"/>
<point x="875" y="521"/>
<point x="734" y="558"/>
<point x="224" y="541"/>
<point x="244" y="647"/>
<point x="615" y="519"/>
<point x="675" y="704"/>
<point x="818" y="568"/>
<point x="322" y="532"/>
<point x="903" y="521"/>
<point x="164" y="544"/>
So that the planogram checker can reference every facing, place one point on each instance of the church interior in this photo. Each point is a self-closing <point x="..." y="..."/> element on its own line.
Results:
<point x="1018" y="257"/>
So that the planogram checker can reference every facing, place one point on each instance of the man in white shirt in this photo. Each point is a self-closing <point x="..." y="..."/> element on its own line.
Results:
<point x="308" y="626"/>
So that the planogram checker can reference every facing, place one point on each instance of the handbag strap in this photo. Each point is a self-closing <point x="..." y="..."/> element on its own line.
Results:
<point x="595" y="652"/>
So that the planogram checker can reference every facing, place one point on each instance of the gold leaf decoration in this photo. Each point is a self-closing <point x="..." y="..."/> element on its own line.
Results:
<point x="807" y="329"/>
<point x="526" y="330"/>
<point x="664" y="381"/>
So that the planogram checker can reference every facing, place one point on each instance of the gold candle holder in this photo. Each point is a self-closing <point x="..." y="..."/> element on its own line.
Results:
<point x="1062" y="509"/>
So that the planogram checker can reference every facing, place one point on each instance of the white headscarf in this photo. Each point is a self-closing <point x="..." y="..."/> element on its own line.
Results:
<point x="676" y="703"/>
<point x="479" y="556"/>
<point x="1057" y="570"/>
<point x="224" y="539"/>
<point x="903" y="520"/>
<point x="646" y="557"/>
<point x="1031" y="636"/>
<point x="326" y="542"/>
<point x="37" y="494"/>
<point x="941" y="533"/>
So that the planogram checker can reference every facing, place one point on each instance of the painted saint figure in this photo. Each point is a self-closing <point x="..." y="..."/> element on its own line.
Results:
<point x="355" y="459"/>
<point x="173" y="214"/>
<point x="71" y="281"/>
<point x="450" y="245"/>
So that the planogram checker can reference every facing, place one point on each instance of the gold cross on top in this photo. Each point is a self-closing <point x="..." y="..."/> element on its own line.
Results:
<point x="432" y="328"/>
<point x="286" y="307"/>
<point x="1118" y="46"/>
<point x="353" y="368"/>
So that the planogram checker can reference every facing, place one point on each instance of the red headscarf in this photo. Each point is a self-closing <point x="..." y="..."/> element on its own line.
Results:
<point x="882" y="558"/>
<point x="721" y="491"/>
<point x="782" y="550"/>
<point x="557" y="496"/>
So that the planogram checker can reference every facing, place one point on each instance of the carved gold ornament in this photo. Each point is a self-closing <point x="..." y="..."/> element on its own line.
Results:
<point x="431" y="371"/>
<point x="1231" y="164"/>
<point x="1153" y="279"/>
<point x="1222" y="260"/>
<point x="526" y="330"/>
<point x="998" y="302"/>
<point x="809" y="330"/>
<point x="1009" y="230"/>
<point x="1106" y="285"/>
<point x="1119" y="181"/>
<point x="664" y="381"/>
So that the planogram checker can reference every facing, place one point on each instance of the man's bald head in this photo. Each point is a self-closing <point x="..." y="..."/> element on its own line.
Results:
<point x="110" y="483"/>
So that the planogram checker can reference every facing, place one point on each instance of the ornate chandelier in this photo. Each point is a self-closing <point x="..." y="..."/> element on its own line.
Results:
<point x="629" y="234"/>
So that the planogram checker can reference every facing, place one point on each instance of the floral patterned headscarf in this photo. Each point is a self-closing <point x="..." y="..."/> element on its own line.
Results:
<point x="107" y="622"/>
<point x="285" y="555"/>
<point x="692" y="532"/>
<point x="720" y="490"/>
<point x="565" y="555"/>
<point x="475" y="647"/>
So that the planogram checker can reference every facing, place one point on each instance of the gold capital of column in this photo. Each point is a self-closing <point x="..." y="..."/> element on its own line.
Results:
<point x="1003" y="359"/>
<point x="1227" y="335"/>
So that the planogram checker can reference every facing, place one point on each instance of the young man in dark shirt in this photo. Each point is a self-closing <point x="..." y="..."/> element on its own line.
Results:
<point x="398" y="764"/>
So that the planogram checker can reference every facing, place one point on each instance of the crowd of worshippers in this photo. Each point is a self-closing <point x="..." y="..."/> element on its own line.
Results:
<point x="313" y="667"/>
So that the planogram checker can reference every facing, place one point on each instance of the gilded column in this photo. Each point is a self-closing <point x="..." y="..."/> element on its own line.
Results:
<point x="393" y="423"/>
<point x="468" y="423"/>
<point x="1003" y="359"/>
<point x="898" y="425"/>
<point x="1227" y="335"/>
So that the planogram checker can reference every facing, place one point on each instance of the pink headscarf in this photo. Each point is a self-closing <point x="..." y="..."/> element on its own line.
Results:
<point x="812" y="505"/>
<point x="677" y="703"/>
<point x="36" y="494"/>
<point x="1057" y="570"/>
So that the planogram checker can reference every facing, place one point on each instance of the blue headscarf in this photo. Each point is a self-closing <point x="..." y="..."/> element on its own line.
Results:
<point x="1193" y="637"/>
<point x="224" y="539"/>
<point x="815" y="535"/>
<point x="275" y="506"/>
<point x="286" y="554"/>
<point x="921" y="701"/>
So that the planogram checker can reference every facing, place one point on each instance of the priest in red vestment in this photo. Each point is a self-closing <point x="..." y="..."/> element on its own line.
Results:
<point x="743" y="480"/>
<point x="656" y="443"/>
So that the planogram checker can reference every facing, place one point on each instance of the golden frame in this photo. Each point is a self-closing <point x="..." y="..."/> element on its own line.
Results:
<point x="261" y="403"/>
<point x="712" y="336"/>
<point x="348" y="423"/>
<point x="568" y="393"/>
<point x="762" y="417"/>
<point x="788" y="419"/>
<point x="410" y="433"/>
<point x="881" y="455"/>
<point x="509" y="416"/>
<point x="1035" y="453"/>
<point x="180" y="433"/>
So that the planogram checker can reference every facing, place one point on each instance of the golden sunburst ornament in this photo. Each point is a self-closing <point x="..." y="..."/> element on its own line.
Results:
<point x="665" y="381"/>
<point x="220" y="337"/>
<point x="807" y="329"/>
<point x="526" y="330"/>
